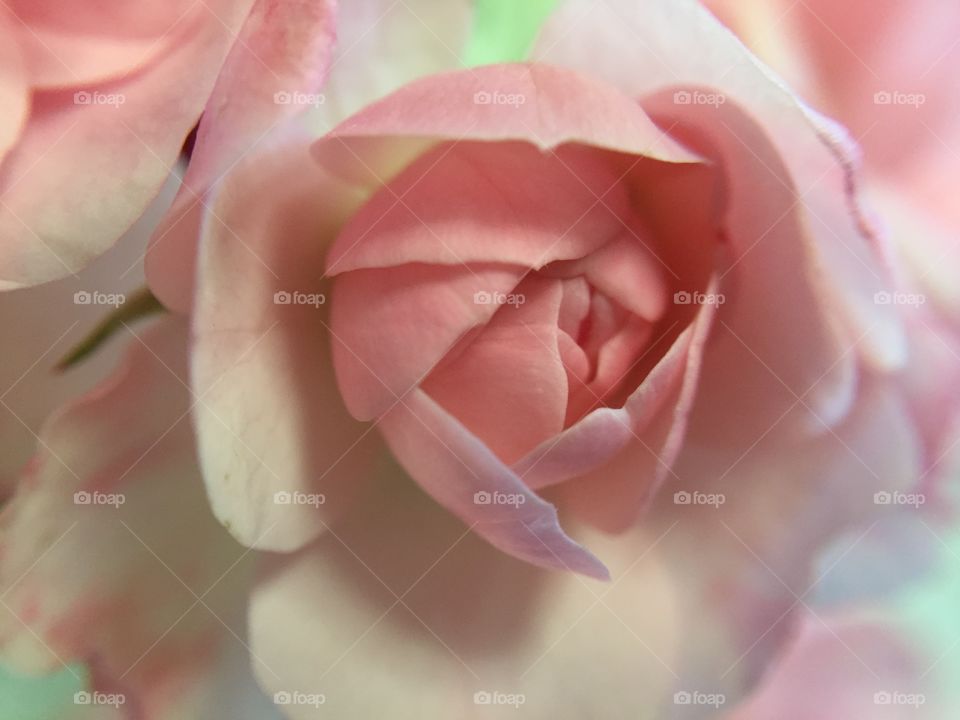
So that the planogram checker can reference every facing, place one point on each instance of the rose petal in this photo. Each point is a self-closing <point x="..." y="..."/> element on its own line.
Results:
<point x="14" y="89"/>
<point x="270" y="421"/>
<point x="268" y="58"/>
<point x="513" y="102"/>
<point x="81" y="45"/>
<point x="109" y="553"/>
<point x="461" y="472"/>
<point x="836" y="252"/>
<point x="81" y="174"/>
<point x="469" y="618"/>
<point x="838" y="656"/>
<point x="507" y="385"/>
<point x="392" y="326"/>
<point x="482" y="202"/>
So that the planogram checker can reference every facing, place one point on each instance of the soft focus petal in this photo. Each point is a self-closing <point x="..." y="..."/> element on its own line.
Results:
<point x="109" y="553"/>
<point x="403" y="595"/>
<point x="84" y="171"/>
<point x="275" y="69"/>
<point x="777" y="507"/>
<point x="840" y="668"/>
<point x="271" y="425"/>
<point x="14" y="87"/>
<point x="69" y="46"/>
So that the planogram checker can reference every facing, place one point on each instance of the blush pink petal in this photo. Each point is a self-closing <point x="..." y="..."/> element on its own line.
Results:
<point x="469" y="618"/>
<point x="391" y="326"/>
<point x="756" y="549"/>
<point x="835" y="668"/>
<point x="616" y="488"/>
<point x="508" y="385"/>
<point x="487" y="202"/>
<point x="859" y="49"/>
<point x="81" y="174"/>
<point x="116" y="586"/>
<point x="456" y="468"/>
<point x="820" y="220"/>
<point x="780" y="320"/>
<point x="338" y="71"/>
<point x="282" y="54"/>
<point x="454" y="106"/>
<point x="269" y="417"/>
<point x="14" y="85"/>
<point x="97" y="43"/>
<point x="626" y="271"/>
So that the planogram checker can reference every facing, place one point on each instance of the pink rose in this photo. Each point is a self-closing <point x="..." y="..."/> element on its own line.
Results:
<point x="436" y="270"/>
<point x="99" y="98"/>
<point x="624" y="284"/>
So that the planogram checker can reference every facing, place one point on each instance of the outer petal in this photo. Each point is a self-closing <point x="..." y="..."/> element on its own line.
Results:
<point x="885" y="69"/>
<point x="109" y="554"/>
<point x="481" y="202"/>
<point x="416" y="36"/>
<point x="829" y="674"/>
<point x="469" y="620"/>
<point x="14" y="88"/>
<point x="367" y="620"/>
<point x="271" y="425"/>
<point x="83" y="173"/>
<point x="777" y="507"/>
<point x="276" y="69"/>
<point x="514" y="102"/>
<point x="464" y="476"/>
<point x="86" y="44"/>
